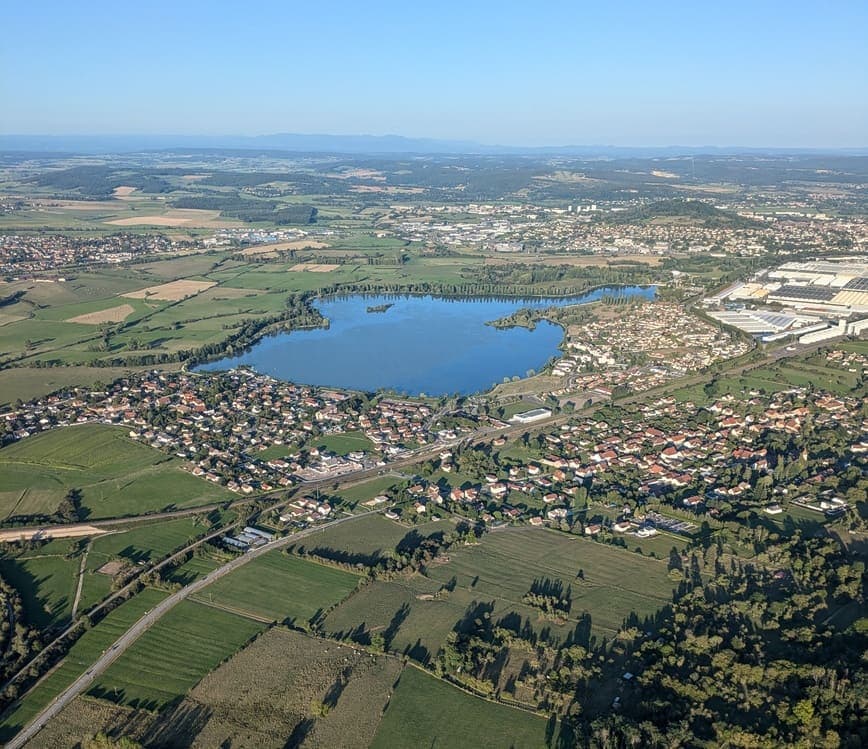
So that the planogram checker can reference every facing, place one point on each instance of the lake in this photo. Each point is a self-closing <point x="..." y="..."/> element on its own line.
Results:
<point x="421" y="344"/>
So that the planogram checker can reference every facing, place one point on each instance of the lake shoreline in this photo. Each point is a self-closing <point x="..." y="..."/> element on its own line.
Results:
<point x="357" y="351"/>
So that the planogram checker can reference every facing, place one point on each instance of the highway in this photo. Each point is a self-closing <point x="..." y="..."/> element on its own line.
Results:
<point x="111" y="654"/>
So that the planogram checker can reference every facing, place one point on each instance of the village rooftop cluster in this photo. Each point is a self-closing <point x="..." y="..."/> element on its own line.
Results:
<point x="23" y="255"/>
<point x="692" y="464"/>
<point x="598" y="228"/>
<point x="642" y="347"/>
<point x="223" y="425"/>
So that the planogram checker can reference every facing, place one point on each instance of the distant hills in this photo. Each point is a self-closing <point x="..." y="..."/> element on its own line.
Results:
<point x="694" y="211"/>
<point x="358" y="144"/>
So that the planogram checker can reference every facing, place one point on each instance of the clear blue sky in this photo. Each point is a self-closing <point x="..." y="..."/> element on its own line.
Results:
<point x="765" y="73"/>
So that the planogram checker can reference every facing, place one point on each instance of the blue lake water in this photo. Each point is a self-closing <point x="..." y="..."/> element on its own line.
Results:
<point x="422" y="344"/>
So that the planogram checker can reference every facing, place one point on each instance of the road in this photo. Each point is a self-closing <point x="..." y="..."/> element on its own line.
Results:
<point x="114" y="652"/>
<point x="416" y="456"/>
<point x="412" y="458"/>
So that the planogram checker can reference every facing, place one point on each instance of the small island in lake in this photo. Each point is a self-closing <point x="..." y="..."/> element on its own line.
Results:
<point x="380" y="307"/>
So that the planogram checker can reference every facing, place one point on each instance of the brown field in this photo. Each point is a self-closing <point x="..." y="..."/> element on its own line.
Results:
<point x="171" y="292"/>
<point x="315" y="267"/>
<point x="302" y="673"/>
<point x="178" y="217"/>
<point x="150" y="221"/>
<point x="284" y="689"/>
<point x="123" y="191"/>
<point x="577" y="260"/>
<point x="113" y="314"/>
<point x="111" y="568"/>
<point x="5" y="319"/>
<point x="360" y="174"/>
<point x="298" y="244"/>
<point x="62" y="531"/>
<point x="564" y="176"/>
<point x="87" y="716"/>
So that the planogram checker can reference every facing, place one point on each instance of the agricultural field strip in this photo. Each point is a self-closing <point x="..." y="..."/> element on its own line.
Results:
<point x="122" y="592"/>
<point x="93" y="641"/>
<point x="86" y="680"/>
<point x="163" y="307"/>
<point x="506" y="558"/>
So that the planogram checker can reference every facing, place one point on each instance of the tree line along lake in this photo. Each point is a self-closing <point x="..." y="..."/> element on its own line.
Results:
<point x="414" y="344"/>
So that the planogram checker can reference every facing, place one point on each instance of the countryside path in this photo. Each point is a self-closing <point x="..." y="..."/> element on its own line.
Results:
<point x="83" y="682"/>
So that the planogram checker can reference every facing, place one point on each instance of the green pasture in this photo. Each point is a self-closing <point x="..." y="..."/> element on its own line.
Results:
<point x="116" y="475"/>
<point x="172" y="656"/>
<point x="80" y="657"/>
<point x="278" y="586"/>
<point x="425" y="711"/>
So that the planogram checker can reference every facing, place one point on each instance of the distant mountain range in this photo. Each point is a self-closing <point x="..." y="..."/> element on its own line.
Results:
<point x="360" y="144"/>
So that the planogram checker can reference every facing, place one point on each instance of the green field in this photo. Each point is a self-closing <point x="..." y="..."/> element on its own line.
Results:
<point x="136" y="544"/>
<point x="371" y="537"/>
<point x="416" y="613"/>
<point x="26" y="383"/>
<point x="612" y="584"/>
<point x="148" y="542"/>
<point x="799" y="372"/>
<point x="341" y="444"/>
<point x="369" y="489"/>
<point x="407" y="613"/>
<point x="117" y="476"/>
<point x="80" y="657"/>
<point x="46" y="583"/>
<point x="193" y="569"/>
<point x="425" y="711"/>
<point x="279" y="587"/>
<point x="173" y="655"/>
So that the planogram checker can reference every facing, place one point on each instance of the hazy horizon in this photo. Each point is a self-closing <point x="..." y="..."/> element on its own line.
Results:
<point x="360" y="143"/>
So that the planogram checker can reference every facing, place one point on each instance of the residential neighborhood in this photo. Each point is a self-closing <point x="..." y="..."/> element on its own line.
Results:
<point x="241" y="430"/>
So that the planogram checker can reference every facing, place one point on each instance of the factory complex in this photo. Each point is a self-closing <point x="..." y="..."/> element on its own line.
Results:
<point x="814" y="300"/>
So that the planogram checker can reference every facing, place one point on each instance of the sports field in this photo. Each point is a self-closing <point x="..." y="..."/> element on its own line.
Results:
<point x="348" y="442"/>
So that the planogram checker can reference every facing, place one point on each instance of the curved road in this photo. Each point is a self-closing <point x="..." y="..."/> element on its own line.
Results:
<point x="111" y="654"/>
<point x="416" y="456"/>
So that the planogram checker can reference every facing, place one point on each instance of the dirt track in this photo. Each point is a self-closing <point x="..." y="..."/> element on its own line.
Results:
<point x="57" y="531"/>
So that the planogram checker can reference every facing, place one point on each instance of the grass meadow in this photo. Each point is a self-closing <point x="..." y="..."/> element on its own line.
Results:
<point x="80" y="657"/>
<point x="278" y="587"/>
<point x="117" y="476"/>
<point x="425" y="711"/>
<point x="173" y="655"/>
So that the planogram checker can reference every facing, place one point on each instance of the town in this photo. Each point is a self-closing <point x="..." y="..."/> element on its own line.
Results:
<point x="242" y="430"/>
